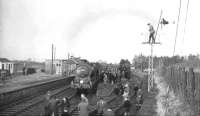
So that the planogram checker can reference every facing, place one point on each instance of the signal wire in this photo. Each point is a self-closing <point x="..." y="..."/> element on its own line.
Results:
<point x="177" y="28"/>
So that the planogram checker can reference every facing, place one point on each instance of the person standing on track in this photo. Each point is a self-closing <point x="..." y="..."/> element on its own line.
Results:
<point x="52" y="106"/>
<point x="108" y="112"/>
<point x="100" y="106"/>
<point x="126" y="97"/>
<point x="139" y="99"/>
<point x="47" y="101"/>
<point x="83" y="106"/>
<point x="135" y="89"/>
<point x="65" y="106"/>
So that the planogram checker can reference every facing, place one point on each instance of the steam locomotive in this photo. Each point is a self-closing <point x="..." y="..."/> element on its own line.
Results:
<point x="85" y="80"/>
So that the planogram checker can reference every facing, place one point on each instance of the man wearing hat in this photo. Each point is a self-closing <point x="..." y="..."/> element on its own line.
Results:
<point x="100" y="106"/>
<point x="83" y="106"/>
<point x="126" y="97"/>
<point x="152" y="32"/>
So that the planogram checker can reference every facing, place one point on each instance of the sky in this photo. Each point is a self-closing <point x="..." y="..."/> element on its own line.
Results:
<point x="107" y="30"/>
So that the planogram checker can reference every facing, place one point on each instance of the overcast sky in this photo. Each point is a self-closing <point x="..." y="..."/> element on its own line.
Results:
<point x="94" y="29"/>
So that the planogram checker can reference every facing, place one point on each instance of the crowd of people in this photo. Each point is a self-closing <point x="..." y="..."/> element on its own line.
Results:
<point x="127" y="90"/>
<point x="56" y="107"/>
<point x="101" y="108"/>
<point x="123" y="87"/>
<point x="113" y="76"/>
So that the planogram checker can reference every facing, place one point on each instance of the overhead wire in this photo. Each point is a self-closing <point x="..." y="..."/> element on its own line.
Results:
<point x="185" y="20"/>
<point x="179" y="11"/>
<point x="159" y="21"/>
<point x="184" y="28"/>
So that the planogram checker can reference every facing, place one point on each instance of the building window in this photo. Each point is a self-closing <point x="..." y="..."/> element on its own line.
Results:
<point x="2" y="66"/>
<point x="9" y="67"/>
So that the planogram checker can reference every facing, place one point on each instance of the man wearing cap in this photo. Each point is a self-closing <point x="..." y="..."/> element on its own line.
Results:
<point x="152" y="32"/>
<point x="47" y="101"/>
<point x="65" y="106"/>
<point x="126" y="97"/>
<point x="100" y="106"/>
<point x="109" y="112"/>
<point x="139" y="99"/>
<point x="83" y="106"/>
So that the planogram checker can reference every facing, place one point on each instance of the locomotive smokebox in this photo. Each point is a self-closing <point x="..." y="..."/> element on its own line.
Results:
<point x="82" y="81"/>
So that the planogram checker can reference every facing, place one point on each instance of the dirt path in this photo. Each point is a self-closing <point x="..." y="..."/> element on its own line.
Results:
<point x="167" y="103"/>
<point x="150" y="104"/>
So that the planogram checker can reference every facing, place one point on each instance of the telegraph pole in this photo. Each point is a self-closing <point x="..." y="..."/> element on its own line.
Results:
<point x="69" y="65"/>
<point x="52" y="60"/>
<point x="150" y="67"/>
<point x="54" y="57"/>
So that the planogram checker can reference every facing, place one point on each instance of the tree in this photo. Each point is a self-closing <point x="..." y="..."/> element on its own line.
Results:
<point x="125" y="66"/>
<point x="140" y="62"/>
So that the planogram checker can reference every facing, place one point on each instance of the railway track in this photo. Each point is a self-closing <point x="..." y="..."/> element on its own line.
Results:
<point x="24" y="106"/>
<point x="113" y="103"/>
<point x="38" y="109"/>
<point x="36" y="105"/>
<point x="15" y="96"/>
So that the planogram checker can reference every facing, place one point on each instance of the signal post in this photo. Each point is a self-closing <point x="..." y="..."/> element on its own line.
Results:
<point x="150" y="66"/>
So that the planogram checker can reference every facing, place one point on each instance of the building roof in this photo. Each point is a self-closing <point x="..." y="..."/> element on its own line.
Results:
<point x="75" y="60"/>
<point x="72" y="60"/>
<point x="4" y="60"/>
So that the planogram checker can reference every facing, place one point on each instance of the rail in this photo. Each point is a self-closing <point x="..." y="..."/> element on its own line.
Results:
<point x="17" y="96"/>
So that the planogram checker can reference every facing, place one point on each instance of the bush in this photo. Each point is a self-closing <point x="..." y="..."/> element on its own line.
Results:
<point x="31" y="70"/>
<point x="42" y="70"/>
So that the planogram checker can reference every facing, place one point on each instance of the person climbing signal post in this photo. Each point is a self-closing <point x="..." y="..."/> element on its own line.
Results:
<point x="151" y="33"/>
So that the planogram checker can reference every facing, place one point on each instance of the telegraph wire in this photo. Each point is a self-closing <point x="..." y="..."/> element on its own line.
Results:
<point x="185" y="20"/>
<point x="177" y="27"/>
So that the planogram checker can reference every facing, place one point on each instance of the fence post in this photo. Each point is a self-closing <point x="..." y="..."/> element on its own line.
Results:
<point x="185" y="95"/>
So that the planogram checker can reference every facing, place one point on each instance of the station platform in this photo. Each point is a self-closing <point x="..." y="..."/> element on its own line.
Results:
<point x="22" y="81"/>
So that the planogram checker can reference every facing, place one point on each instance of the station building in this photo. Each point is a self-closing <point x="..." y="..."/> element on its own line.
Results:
<point x="6" y="64"/>
<point x="62" y="66"/>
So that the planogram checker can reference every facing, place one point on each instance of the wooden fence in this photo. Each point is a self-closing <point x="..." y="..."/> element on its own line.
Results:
<point x="185" y="82"/>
